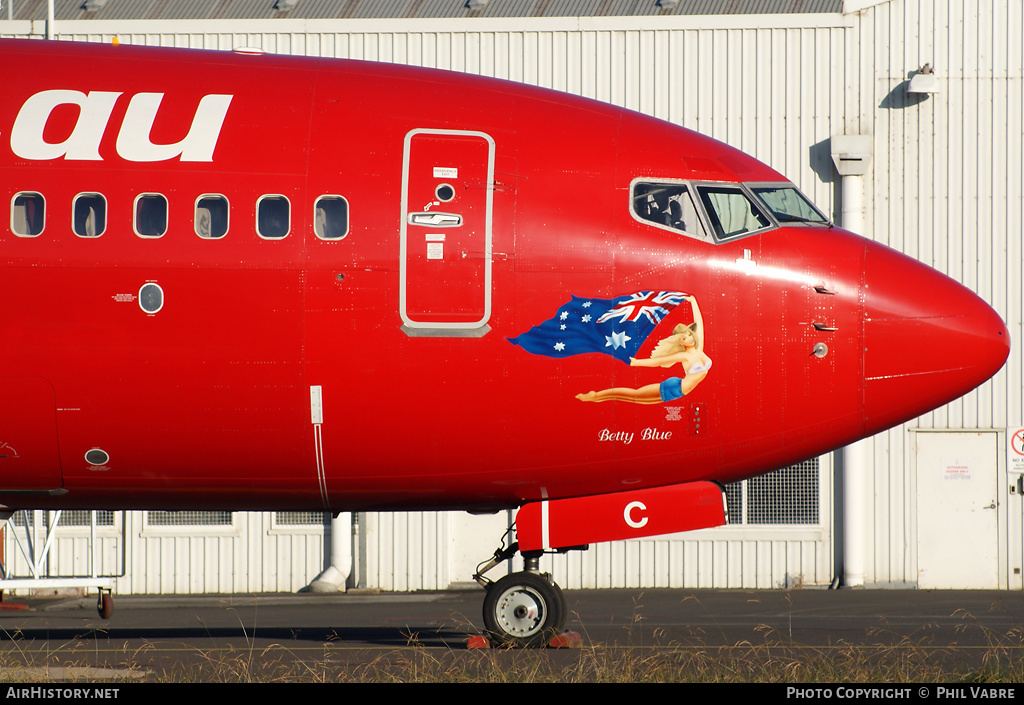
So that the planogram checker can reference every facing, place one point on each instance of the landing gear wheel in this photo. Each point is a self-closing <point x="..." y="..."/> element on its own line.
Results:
<point x="105" y="605"/>
<point x="524" y="610"/>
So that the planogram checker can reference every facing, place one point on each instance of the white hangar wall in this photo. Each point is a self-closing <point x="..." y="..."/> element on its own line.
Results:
<point x="945" y="187"/>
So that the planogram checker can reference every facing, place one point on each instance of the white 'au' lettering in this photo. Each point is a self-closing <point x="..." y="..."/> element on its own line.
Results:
<point x="83" y="143"/>
<point x="133" y="138"/>
<point x="133" y="141"/>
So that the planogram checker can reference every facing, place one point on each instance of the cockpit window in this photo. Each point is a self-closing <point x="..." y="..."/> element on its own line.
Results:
<point x="731" y="211"/>
<point x="789" y="205"/>
<point x="668" y="205"/>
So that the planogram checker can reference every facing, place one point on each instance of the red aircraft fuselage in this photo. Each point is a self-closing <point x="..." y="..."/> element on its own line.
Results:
<point x="255" y="282"/>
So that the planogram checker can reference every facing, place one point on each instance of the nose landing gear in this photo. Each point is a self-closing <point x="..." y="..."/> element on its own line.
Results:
<point x="525" y="609"/>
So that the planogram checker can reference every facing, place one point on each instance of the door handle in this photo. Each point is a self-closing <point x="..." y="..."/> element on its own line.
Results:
<point x="435" y="219"/>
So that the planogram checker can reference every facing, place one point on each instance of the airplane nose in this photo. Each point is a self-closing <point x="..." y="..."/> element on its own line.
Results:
<point x="927" y="339"/>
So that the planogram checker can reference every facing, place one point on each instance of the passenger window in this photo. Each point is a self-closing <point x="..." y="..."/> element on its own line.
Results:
<point x="668" y="205"/>
<point x="28" y="214"/>
<point x="731" y="211"/>
<point x="150" y="215"/>
<point x="273" y="215"/>
<point x="330" y="217"/>
<point x="89" y="215"/>
<point x="211" y="216"/>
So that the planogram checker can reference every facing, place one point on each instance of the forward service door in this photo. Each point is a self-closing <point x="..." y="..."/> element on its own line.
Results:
<point x="447" y="189"/>
<point x="29" y="458"/>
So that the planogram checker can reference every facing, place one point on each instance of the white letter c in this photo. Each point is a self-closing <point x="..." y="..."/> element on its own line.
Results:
<point x="629" y="519"/>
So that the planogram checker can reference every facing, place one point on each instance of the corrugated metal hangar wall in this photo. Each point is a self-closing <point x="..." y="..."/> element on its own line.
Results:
<point x="945" y="186"/>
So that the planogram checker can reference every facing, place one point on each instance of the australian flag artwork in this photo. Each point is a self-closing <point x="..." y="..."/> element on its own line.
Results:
<point x="616" y="327"/>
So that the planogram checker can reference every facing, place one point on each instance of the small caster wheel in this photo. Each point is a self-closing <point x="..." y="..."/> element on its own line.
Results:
<point x="105" y="605"/>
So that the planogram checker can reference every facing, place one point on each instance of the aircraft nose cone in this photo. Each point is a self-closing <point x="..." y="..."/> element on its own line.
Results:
<point x="928" y="340"/>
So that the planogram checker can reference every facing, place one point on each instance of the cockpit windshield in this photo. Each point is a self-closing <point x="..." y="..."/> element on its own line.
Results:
<point x="731" y="211"/>
<point x="789" y="205"/>
<point x="718" y="212"/>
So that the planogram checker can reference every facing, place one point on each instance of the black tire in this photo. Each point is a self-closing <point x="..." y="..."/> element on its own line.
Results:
<point x="524" y="610"/>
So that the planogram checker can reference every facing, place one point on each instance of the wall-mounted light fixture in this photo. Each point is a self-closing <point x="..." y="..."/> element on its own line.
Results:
<point x="924" y="81"/>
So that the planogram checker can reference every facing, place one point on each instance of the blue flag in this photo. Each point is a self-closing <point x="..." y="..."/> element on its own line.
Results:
<point x="616" y="327"/>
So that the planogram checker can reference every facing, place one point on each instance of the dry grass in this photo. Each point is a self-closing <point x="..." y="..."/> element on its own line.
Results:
<point x="742" y="663"/>
<point x="880" y="657"/>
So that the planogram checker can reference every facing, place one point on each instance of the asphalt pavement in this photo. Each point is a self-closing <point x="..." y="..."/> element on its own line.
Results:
<point x="232" y="637"/>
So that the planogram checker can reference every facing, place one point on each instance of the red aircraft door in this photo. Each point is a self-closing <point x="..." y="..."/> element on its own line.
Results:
<point x="446" y="232"/>
<point x="28" y="436"/>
